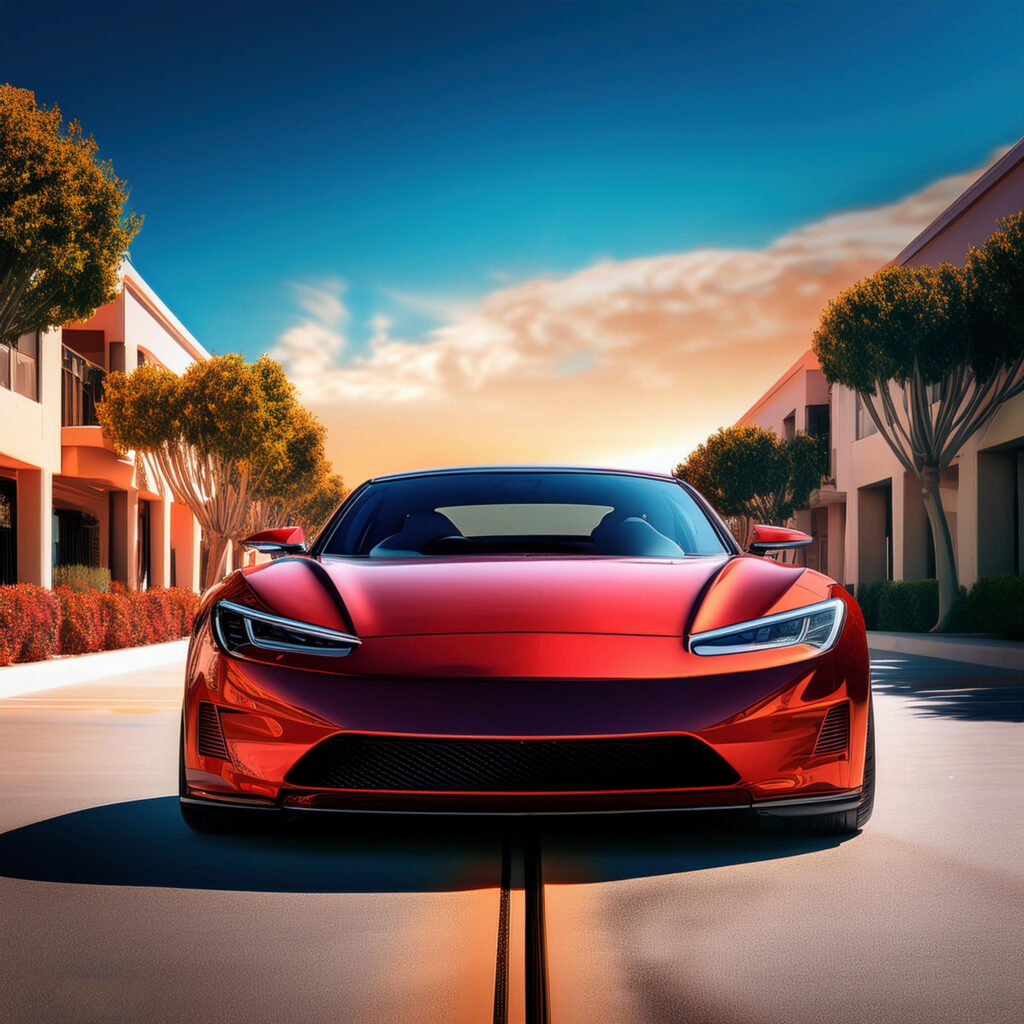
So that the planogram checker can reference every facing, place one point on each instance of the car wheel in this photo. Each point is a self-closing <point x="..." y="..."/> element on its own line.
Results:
<point x="844" y="823"/>
<point x="220" y="820"/>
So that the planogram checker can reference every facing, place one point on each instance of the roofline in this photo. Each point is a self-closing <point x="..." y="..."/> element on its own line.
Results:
<point x="132" y="280"/>
<point x="800" y="364"/>
<point x="972" y="195"/>
<point x="457" y="470"/>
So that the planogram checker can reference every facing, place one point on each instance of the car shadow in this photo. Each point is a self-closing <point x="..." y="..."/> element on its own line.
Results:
<point x="950" y="689"/>
<point x="145" y="843"/>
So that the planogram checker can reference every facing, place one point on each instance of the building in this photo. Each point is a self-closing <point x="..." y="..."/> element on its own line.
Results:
<point x="799" y="401"/>
<point x="887" y="532"/>
<point x="868" y="519"/>
<point x="66" y="497"/>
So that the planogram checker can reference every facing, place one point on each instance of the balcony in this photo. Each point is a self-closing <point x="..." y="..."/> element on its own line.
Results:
<point x="81" y="388"/>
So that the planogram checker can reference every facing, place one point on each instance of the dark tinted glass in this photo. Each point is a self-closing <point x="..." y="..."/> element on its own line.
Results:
<point x="520" y="513"/>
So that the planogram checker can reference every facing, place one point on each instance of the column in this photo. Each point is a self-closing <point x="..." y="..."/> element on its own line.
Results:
<point x="837" y="543"/>
<point x="35" y="526"/>
<point x="186" y="540"/>
<point x="124" y="536"/>
<point x="160" y="542"/>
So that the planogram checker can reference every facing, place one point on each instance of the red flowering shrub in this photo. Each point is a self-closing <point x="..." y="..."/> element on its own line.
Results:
<point x="184" y="605"/>
<point x="29" y="623"/>
<point x="117" y="627"/>
<point x="138" y="624"/>
<point x="81" y="626"/>
<point x="158" y="613"/>
<point x="36" y="623"/>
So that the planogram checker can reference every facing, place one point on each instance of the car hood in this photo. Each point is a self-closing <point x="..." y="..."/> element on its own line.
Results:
<point x="527" y="594"/>
<point x="532" y="594"/>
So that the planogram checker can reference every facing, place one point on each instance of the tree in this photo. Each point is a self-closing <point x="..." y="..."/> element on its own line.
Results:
<point x="297" y="472"/>
<point x="224" y="433"/>
<point x="750" y="472"/>
<point x="317" y="507"/>
<point x="933" y="354"/>
<point x="63" y="227"/>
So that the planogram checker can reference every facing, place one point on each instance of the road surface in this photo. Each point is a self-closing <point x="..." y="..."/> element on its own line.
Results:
<point x="111" y="911"/>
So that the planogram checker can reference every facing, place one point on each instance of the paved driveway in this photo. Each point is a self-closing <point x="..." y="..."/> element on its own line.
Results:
<point x="113" y="911"/>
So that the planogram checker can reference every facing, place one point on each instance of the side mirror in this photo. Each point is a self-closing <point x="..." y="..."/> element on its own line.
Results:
<point x="776" y="538"/>
<point x="286" y="540"/>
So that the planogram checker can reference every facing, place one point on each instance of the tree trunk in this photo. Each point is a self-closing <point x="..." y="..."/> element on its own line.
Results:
<point x="945" y="562"/>
<point x="218" y="549"/>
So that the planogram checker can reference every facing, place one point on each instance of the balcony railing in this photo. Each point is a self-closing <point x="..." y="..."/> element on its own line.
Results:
<point x="81" y="389"/>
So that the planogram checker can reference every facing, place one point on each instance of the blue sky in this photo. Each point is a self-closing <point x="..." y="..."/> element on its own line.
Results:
<point x="512" y="232"/>
<point x="438" y="150"/>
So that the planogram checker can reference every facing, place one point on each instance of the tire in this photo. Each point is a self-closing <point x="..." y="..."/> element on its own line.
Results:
<point x="219" y="820"/>
<point x="845" y="823"/>
<point x="865" y="809"/>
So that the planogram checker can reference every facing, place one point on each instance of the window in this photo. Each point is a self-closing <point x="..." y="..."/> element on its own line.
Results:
<point x="789" y="426"/>
<point x="81" y="389"/>
<point x="522" y="512"/>
<point x="865" y="424"/>
<point x="19" y="366"/>
<point x="818" y="420"/>
<point x="525" y="520"/>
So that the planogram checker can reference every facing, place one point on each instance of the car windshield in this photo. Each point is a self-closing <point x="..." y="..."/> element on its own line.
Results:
<point x="522" y="512"/>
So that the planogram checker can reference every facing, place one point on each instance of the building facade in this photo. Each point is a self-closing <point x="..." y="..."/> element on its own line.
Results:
<point x="799" y="401"/>
<point x="868" y="519"/>
<point x="66" y="497"/>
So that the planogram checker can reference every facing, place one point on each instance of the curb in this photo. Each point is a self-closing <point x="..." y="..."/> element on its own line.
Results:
<point x="82" y="668"/>
<point x="976" y="650"/>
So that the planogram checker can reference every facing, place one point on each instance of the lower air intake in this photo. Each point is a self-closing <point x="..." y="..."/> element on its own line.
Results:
<point x="834" y="735"/>
<point x="209" y="737"/>
<point x="359" y="761"/>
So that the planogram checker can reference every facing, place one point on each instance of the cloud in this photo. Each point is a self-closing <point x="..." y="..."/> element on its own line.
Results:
<point x="619" y="362"/>
<point x="314" y="346"/>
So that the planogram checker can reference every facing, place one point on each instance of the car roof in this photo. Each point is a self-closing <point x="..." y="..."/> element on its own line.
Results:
<point x="452" y="470"/>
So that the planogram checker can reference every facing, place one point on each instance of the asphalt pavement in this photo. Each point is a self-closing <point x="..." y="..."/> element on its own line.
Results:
<point x="112" y="911"/>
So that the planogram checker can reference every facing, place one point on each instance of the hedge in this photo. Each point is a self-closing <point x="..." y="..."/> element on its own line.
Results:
<point x="995" y="604"/>
<point x="910" y="606"/>
<point x="36" y="623"/>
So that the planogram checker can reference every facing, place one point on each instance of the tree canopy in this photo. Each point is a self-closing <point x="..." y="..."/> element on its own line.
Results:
<point x="63" y="226"/>
<point x="933" y="353"/>
<point x="751" y="472"/>
<point x="225" y="435"/>
<point x="316" y="508"/>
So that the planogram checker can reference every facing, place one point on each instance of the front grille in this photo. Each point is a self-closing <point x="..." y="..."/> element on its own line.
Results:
<point x="209" y="737"/>
<point x="359" y="761"/>
<point x="834" y="736"/>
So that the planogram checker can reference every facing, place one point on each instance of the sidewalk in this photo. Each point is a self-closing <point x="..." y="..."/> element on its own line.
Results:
<point x="974" y="649"/>
<point x="34" y="676"/>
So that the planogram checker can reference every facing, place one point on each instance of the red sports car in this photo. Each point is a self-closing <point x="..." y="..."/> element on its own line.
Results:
<point x="527" y="641"/>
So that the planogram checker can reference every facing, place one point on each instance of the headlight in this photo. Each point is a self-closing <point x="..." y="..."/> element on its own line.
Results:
<point x="817" y="626"/>
<point x="236" y="626"/>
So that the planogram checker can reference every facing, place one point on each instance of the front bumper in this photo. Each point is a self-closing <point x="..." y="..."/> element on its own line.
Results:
<point x="326" y="803"/>
<point x="763" y="720"/>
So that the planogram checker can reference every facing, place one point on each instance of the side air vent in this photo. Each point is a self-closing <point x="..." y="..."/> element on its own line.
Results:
<point x="834" y="736"/>
<point x="209" y="737"/>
